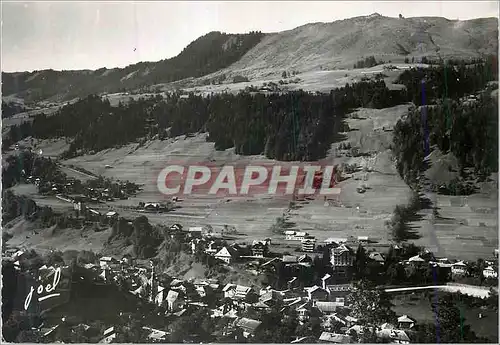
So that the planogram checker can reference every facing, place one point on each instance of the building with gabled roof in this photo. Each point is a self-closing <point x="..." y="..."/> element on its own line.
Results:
<point x="316" y="293"/>
<point x="174" y="301"/>
<point x="249" y="326"/>
<point x="227" y="254"/>
<point x="405" y="322"/>
<point x="335" y="338"/>
<point x="342" y="258"/>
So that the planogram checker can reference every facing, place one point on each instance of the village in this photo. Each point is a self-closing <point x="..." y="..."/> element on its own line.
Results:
<point x="326" y="297"/>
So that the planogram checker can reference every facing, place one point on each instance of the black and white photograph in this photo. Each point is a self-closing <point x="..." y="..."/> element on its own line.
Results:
<point x="295" y="172"/>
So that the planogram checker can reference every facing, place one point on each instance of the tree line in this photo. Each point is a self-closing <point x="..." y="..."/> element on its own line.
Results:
<point x="427" y="85"/>
<point x="467" y="129"/>
<point x="292" y="126"/>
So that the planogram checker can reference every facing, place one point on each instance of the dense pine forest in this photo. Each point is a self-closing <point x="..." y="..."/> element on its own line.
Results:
<point x="292" y="126"/>
<point x="450" y="122"/>
<point x="425" y="86"/>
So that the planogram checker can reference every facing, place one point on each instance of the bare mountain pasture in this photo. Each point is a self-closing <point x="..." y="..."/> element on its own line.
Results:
<point x="360" y="214"/>
<point x="341" y="43"/>
<point x="312" y="81"/>
<point x="253" y="216"/>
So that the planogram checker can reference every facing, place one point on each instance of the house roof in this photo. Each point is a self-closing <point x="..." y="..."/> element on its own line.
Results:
<point x="335" y="338"/>
<point x="176" y="282"/>
<point x="393" y="334"/>
<point x="376" y="256"/>
<point x="226" y="252"/>
<point x="242" y="291"/>
<point x="111" y="213"/>
<point x="228" y="286"/>
<point x="196" y="229"/>
<point x="313" y="289"/>
<point x="176" y="227"/>
<point x="301" y="233"/>
<point x="289" y="259"/>
<point x="258" y="243"/>
<point x="308" y="339"/>
<point x="328" y="307"/>
<point x="172" y="296"/>
<point x="405" y="318"/>
<point x="248" y="324"/>
<point x="460" y="263"/>
<point x="335" y="240"/>
<point x="416" y="258"/>
<point x="289" y="232"/>
<point x="341" y="250"/>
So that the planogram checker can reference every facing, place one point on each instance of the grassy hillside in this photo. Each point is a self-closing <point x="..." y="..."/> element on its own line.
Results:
<point x="205" y="55"/>
<point x="341" y="43"/>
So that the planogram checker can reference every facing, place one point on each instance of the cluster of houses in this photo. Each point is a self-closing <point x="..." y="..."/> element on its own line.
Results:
<point x="308" y="242"/>
<point x="233" y="301"/>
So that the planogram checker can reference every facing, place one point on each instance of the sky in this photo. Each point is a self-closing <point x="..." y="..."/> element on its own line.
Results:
<point x="91" y="35"/>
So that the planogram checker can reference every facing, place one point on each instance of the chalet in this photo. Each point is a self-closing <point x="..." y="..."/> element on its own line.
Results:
<point x="195" y="232"/>
<point x="459" y="268"/>
<point x="156" y="335"/>
<point x="292" y="283"/>
<point x="393" y="336"/>
<point x="176" y="227"/>
<point x="404" y="322"/>
<point x="271" y="297"/>
<point x="339" y="292"/>
<point x="305" y="260"/>
<point x="259" y="248"/>
<point x="227" y="254"/>
<point x="105" y="261"/>
<point x="326" y="279"/>
<point x="212" y="247"/>
<point x="330" y="319"/>
<point x="490" y="272"/>
<point x="308" y="244"/>
<point x="300" y="235"/>
<point x="112" y="215"/>
<point x="248" y="326"/>
<point x="242" y="292"/>
<point x="289" y="260"/>
<point x="174" y="301"/>
<point x="327" y="308"/>
<point x="341" y="258"/>
<point x="213" y="235"/>
<point x="151" y="206"/>
<point x="317" y="293"/>
<point x="334" y="338"/>
<point x="236" y="292"/>
<point x="416" y="260"/>
<point x="304" y="311"/>
<point x="159" y="297"/>
<point x="304" y="340"/>
<point x="289" y="235"/>
<point x="363" y="239"/>
<point x="109" y="335"/>
<point x="93" y="214"/>
<point x="229" y="290"/>
<point x="377" y="257"/>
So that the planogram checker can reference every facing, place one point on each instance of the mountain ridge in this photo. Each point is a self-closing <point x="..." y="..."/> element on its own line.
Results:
<point x="312" y="46"/>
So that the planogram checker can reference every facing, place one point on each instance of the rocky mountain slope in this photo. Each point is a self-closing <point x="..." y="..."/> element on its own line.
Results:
<point x="310" y="47"/>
